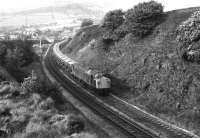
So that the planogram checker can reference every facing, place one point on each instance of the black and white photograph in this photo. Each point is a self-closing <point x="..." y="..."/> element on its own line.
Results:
<point x="99" y="69"/>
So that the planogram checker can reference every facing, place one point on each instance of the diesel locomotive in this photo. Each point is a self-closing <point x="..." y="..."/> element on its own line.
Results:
<point x="92" y="79"/>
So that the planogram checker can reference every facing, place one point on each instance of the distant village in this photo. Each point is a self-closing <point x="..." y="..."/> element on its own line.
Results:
<point x="49" y="32"/>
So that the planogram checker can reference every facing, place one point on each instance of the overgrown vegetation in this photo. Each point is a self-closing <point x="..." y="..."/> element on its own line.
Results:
<point x="143" y="18"/>
<point x="15" y="55"/>
<point x="159" y="80"/>
<point x="34" y="108"/>
<point x="112" y="25"/>
<point x="188" y="32"/>
<point x="188" y="36"/>
<point x="113" y="19"/>
<point x="37" y="117"/>
<point x="138" y="21"/>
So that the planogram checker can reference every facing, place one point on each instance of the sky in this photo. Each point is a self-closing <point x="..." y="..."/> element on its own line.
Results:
<point x="19" y="5"/>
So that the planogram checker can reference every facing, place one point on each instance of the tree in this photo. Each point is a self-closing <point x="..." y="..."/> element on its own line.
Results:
<point x="141" y="19"/>
<point x="86" y="22"/>
<point x="15" y="55"/>
<point x="113" y="26"/>
<point x="113" y="19"/>
<point x="3" y="51"/>
<point x="24" y="52"/>
<point x="33" y="84"/>
<point x="12" y="66"/>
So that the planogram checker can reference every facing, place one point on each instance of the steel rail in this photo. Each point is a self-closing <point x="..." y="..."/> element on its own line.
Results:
<point x="125" y="124"/>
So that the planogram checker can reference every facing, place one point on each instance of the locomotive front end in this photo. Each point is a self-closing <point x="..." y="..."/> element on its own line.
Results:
<point x="103" y="84"/>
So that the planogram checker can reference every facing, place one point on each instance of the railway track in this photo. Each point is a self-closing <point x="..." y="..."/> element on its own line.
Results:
<point x="123" y="123"/>
<point x="116" y="110"/>
<point x="165" y="129"/>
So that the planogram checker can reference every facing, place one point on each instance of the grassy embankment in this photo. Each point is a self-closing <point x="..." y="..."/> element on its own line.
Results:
<point x="158" y="79"/>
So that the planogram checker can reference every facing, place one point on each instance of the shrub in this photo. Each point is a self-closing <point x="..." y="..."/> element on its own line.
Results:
<point x="68" y="124"/>
<point x="188" y="36"/>
<point x="86" y="22"/>
<point x="189" y="31"/>
<point x="141" y="19"/>
<point x="113" y="19"/>
<point x="16" y="54"/>
<point x="115" y="35"/>
<point x="13" y="67"/>
<point x="36" y="98"/>
<point x="42" y="116"/>
<point x="2" y="53"/>
<point x="23" y="51"/>
<point x="32" y="84"/>
<point x="108" y="37"/>
<point x="75" y="124"/>
<point x="113" y="26"/>
<point x="46" y="104"/>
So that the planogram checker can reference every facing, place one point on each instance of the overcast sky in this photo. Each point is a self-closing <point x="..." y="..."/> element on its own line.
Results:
<point x="18" y="5"/>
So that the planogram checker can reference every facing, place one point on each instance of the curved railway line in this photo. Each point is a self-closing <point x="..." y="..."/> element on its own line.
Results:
<point x="128" y="118"/>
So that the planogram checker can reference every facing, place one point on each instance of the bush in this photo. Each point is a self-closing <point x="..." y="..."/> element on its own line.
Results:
<point x="189" y="31"/>
<point x="16" y="54"/>
<point x="113" y="19"/>
<point x="23" y="51"/>
<point x="42" y="116"/>
<point x="188" y="36"/>
<point x="13" y="67"/>
<point x="113" y="26"/>
<point x="67" y="124"/>
<point x="86" y="22"/>
<point x="115" y="35"/>
<point x="46" y="104"/>
<point x="141" y="19"/>
<point x="2" y="53"/>
<point x="32" y="84"/>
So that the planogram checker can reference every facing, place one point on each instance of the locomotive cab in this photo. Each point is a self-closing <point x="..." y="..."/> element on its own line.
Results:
<point x="103" y="84"/>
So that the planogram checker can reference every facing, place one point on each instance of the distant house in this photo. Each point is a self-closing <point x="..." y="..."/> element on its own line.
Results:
<point x="13" y="36"/>
<point x="66" y="34"/>
<point x="2" y="36"/>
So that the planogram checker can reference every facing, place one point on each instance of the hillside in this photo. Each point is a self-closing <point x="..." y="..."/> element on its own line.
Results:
<point x="62" y="15"/>
<point x="158" y="79"/>
<point x="69" y="9"/>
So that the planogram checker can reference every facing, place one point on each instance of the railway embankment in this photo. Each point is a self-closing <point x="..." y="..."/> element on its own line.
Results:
<point x="130" y="118"/>
<point x="148" y="72"/>
<point x="101" y="125"/>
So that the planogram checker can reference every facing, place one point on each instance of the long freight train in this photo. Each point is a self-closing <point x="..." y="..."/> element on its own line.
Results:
<point x="92" y="79"/>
